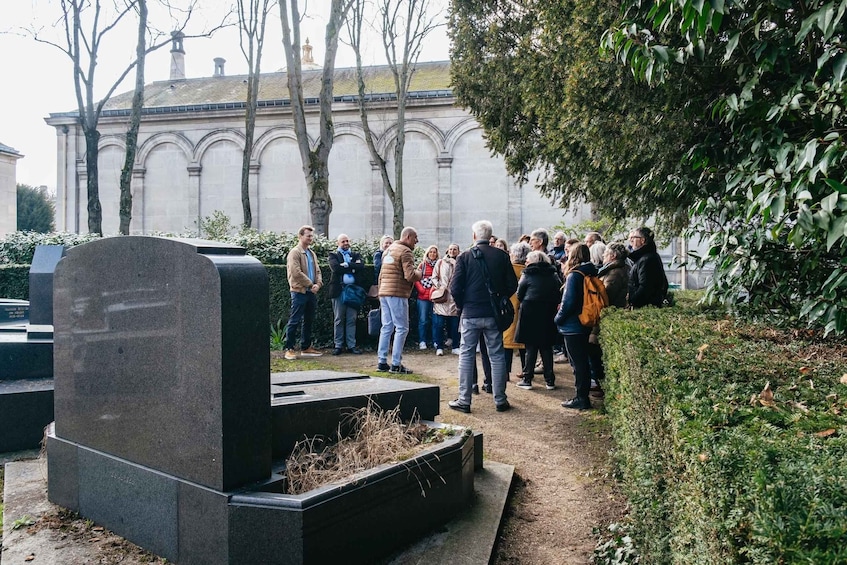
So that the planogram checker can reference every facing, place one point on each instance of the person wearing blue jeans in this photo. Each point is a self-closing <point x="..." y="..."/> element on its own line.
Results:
<point x="303" y="306"/>
<point x="397" y="275"/>
<point x="394" y="311"/>
<point x="478" y="270"/>
<point x="304" y="281"/>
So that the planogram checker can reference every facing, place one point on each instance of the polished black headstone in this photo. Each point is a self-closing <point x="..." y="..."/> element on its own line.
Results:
<point x="44" y="263"/>
<point x="161" y="357"/>
<point x="13" y="311"/>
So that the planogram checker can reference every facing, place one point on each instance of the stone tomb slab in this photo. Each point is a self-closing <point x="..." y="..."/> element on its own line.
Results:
<point x="305" y="404"/>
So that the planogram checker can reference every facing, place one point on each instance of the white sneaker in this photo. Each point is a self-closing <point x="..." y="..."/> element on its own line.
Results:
<point x="455" y="351"/>
<point x="439" y="352"/>
<point x="422" y="345"/>
<point x="448" y="342"/>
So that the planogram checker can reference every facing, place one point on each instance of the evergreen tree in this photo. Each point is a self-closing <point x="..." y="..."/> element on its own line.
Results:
<point x="35" y="211"/>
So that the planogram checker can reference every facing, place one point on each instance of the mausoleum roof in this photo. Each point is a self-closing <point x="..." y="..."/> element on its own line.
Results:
<point x="6" y="149"/>
<point x="430" y="80"/>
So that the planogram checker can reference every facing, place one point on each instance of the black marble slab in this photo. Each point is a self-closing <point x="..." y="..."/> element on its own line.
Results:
<point x="13" y="311"/>
<point x="306" y="404"/>
<point x="44" y="262"/>
<point x="161" y="357"/>
<point x="23" y="358"/>
<point x="26" y="408"/>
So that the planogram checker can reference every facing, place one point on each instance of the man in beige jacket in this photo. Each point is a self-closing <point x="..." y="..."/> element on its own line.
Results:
<point x="304" y="281"/>
<point x="396" y="280"/>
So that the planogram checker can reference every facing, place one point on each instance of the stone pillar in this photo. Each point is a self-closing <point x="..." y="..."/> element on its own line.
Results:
<point x="444" y="220"/>
<point x="253" y="191"/>
<point x="80" y="210"/>
<point x="137" y="226"/>
<point x="378" y="216"/>
<point x="194" y="192"/>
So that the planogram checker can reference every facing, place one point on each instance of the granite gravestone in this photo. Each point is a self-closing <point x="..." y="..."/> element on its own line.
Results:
<point x="44" y="262"/>
<point x="161" y="357"/>
<point x="165" y="416"/>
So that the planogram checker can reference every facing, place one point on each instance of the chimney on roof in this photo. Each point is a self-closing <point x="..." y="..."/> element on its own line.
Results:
<point x="177" y="56"/>
<point x="219" y="66"/>
<point x="307" y="58"/>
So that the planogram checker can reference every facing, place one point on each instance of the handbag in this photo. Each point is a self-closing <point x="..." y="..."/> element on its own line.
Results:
<point x="440" y="296"/>
<point x="373" y="291"/>
<point x="353" y="296"/>
<point x="374" y="322"/>
<point x="504" y="311"/>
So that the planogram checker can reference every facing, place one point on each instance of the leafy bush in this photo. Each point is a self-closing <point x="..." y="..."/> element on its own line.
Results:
<point x="14" y="281"/>
<point x="731" y="437"/>
<point x="17" y="248"/>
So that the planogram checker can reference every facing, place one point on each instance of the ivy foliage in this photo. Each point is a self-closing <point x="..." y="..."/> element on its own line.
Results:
<point x="776" y="209"/>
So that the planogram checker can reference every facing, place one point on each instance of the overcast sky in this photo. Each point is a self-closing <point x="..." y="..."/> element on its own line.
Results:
<point x="35" y="79"/>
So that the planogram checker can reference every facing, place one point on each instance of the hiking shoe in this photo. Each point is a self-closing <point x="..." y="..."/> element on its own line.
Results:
<point x="383" y="367"/>
<point x="422" y="345"/>
<point x="486" y="388"/>
<point x="523" y="383"/>
<point x="459" y="407"/>
<point x="475" y="389"/>
<point x="400" y="370"/>
<point x="310" y="352"/>
<point x="577" y="404"/>
<point x="503" y="407"/>
<point x="439" y="352"/>
<point x="551" y="386"/>
<point x="290" y="354"/>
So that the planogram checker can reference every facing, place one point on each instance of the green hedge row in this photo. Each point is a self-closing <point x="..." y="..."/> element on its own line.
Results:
<point x="731" y="438"/>
<point x="14" y="283"/>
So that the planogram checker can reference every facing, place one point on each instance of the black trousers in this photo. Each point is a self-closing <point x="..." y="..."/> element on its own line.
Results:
<point x="577" y="345"/>
<point x="546" y="352"/>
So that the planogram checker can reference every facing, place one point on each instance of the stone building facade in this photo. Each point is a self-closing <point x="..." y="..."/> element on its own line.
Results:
<point x="8" y="189"/>
<point x="190" y="153"/>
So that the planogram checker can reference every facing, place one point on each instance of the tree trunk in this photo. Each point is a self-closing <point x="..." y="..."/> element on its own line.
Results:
<point x="320" y="203"/>
<point x="249" y="132"/>
<point x="92" y="152"/>
<point x="125" y="212"/>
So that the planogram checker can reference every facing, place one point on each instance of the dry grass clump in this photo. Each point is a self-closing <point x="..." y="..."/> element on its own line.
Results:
<point x="375" y="437"/>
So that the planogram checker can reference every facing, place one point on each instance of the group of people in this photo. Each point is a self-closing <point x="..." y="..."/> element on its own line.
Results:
<point x="454" y="302"/>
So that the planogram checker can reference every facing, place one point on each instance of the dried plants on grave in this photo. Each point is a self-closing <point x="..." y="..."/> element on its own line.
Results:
<point x="375" y="437"/>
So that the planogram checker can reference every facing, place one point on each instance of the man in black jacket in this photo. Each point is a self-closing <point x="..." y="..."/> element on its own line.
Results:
<point x="346" y="266"/>
<point x="648" y="283"/>
<point x="469" y="289"/>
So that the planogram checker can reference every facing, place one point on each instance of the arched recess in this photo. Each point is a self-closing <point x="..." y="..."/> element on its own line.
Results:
<point x="457" y="131"/>
<point x="112" y="140"/>
<point x="423" y="127"/>
<point x="211" y="138"/>
<point x="351" y="185"/>
<point x="269" y="137"/>
<point x="111" y="153"/>
<point x="150" y="144"/>
<point x="219" y="155"/>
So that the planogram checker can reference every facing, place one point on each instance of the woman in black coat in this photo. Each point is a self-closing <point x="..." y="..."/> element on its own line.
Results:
<point x="538" y="294"/>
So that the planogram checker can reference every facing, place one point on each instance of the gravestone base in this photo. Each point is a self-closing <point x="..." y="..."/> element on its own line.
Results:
<point x="358" y="522"/>
<point x="26" y="389"/>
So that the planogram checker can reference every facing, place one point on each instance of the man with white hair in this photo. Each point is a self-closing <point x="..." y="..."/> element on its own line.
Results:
<point x="478" y="269"/>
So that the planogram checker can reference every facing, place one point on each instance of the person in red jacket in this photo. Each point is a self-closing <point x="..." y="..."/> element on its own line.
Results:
<point x="424" y="288"/>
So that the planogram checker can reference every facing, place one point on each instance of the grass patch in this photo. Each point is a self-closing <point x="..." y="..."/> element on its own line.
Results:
<point x="319" y="364"/>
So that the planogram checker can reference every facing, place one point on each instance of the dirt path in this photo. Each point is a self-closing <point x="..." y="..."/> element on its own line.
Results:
<point x="562" y="488"/>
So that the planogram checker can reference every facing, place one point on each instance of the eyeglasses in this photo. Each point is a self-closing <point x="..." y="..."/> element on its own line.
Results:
<point x="635" y="237"/>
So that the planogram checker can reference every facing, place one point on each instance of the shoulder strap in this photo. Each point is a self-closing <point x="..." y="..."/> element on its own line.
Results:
<point x="485" y="276"/>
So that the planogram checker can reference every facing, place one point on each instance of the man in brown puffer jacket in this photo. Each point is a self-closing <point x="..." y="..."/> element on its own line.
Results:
<point x="396" y="280"/>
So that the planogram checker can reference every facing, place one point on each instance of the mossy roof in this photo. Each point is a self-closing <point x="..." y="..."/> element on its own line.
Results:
<point x="430" y="77"/>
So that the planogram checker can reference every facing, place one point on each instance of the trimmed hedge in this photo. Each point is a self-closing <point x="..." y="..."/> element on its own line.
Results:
<point x="14" y="281"/>
<point x="715" y="468"/>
